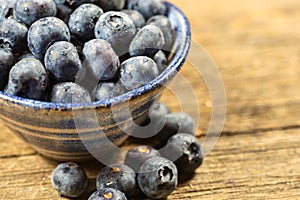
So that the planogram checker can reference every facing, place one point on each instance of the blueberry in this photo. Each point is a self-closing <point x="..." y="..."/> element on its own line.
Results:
<point x="157" y="177"/>
<point x="153" y="123"/>
<point x="69" y="92"/>
<point x="29" y="11"/>
<point x="6" y="8"/>
<point x="147" y="42"/>
<point x="175" y="123"/>
<point x="138" y="71"/>
<point x="101" y="59"/>
<point x="78" y="44"/>
<point x="137" y="18"/>
<point x="6" y="62"/>
<point x="136" y="156"/>
<point x="44" y="32"/>
<point x="164" y="24"/>
<point x="63" y="12"/>
<point x="107" y="90"/>
<point x="161" y="60"/>
<point x="117" y="28"/>
<point x="82" y="21"/>
<point x="158" y="111"/>
<point x="185" y="151"/>
<point x="109" y="5"/>
<point x="13" y="35"/>
<point x="63" y="63"/>
<point x="25" y="55"/>
<point x="108" y="194"/>
<point x="148" y="8"/>
<point x="27" y="78"/>
<point x="59" y="2"/>
<point x="117" y="176"/>
<point x="69" y="179"/>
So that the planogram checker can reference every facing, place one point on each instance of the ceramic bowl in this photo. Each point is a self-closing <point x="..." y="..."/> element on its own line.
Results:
<point x="60" y="131"/>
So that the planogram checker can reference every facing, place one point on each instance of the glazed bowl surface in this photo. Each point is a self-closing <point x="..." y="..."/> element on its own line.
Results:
<point x="61" y="131"/>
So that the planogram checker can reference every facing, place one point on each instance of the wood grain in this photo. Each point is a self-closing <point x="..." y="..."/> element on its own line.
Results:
<point x="255" y="45"/>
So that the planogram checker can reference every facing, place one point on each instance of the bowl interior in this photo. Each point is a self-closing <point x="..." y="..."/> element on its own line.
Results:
<point x="181" y="46"/>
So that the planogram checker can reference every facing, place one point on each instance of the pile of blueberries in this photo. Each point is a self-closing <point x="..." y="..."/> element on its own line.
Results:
<point x="77" y="51"/>
<point x="147" y="171"/>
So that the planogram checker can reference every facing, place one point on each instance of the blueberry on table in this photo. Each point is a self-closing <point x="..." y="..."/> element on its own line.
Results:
<point x="107" y="90"/>
<point x="164" y="24"/>
<point x="82" y="21"/>
<point x="136" y="156"/>
<point x="161" y="60"/>
<point x="29" y="11"/>
<point x="6" y="62"/>
<point x="176" y="123"/>
<point x="147" y="42"/>
<point x="117" y="28"/>
<point x="44" y="32"/>
<point x="69" y="92"/>
<point x="101" y="59"/>
<point x="63" y="63"/>
<point x="109" y="5"/>
<point x="69" y="179"/>
<point x="138" y="71"/>
<point x="108" y="194"/>
<point x="185" y="151"/>
<point x="13" y="35"/>
<point x="153" y="123"/>
<point x="157" y="177"/>
<point x="28" y="79"/>
<point x="117" y="176"/>
<point x="137" y="18"/>
<point x="148" y="8"/>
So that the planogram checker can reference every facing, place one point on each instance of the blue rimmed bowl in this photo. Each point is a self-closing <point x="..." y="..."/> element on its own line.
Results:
<point x="60" y="131"/>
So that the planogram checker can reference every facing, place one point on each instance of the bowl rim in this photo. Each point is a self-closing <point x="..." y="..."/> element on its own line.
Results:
<point x="174" y="66"/>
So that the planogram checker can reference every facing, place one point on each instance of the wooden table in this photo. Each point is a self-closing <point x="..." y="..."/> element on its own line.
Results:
<point x="256" y="46"/>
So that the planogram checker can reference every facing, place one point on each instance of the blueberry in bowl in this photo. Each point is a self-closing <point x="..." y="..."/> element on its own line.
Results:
<point x="60" y="130"/>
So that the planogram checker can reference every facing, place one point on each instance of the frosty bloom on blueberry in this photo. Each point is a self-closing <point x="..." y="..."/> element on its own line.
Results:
<point x="69" y="179"/>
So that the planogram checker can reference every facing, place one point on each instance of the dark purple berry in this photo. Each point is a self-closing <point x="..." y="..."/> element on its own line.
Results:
<point x="101" y="59"/>
<point x="28" y="79"/>
<point x="63" y="12"/>
<point x="157" y="177"/>
<point x="6" y="62"/>
<point x="136" y="156"/>
<point x="147" y="42"/>
<point x="29" y="11"/>
<point x="148" y="8"/>
<point x="68" y="92"/>
<point x="137" y="18"/>
<point x="69" y="179"/>
<point x="13" y="35"/>
<point x="165" y="26"/>
<point x="153" y="123"/>
<point x="138" y="71"/>
<point x="108" y="194"/>
<point x="117" y="28"/>
<point x="63" y="63"/>
<point x="82" y="21"/>
<point x="117" y="176"/>
<point x="107" y="90"/>
<point x="176" y="123"/>
<point x="161" y="60"/>
<point x="109" y="5"/>
<point x="185" y="151"/>
<point x="44" y="32"/>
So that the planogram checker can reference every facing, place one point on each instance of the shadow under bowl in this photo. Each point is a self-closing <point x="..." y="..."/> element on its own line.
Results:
<point x="61" y="131"/>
